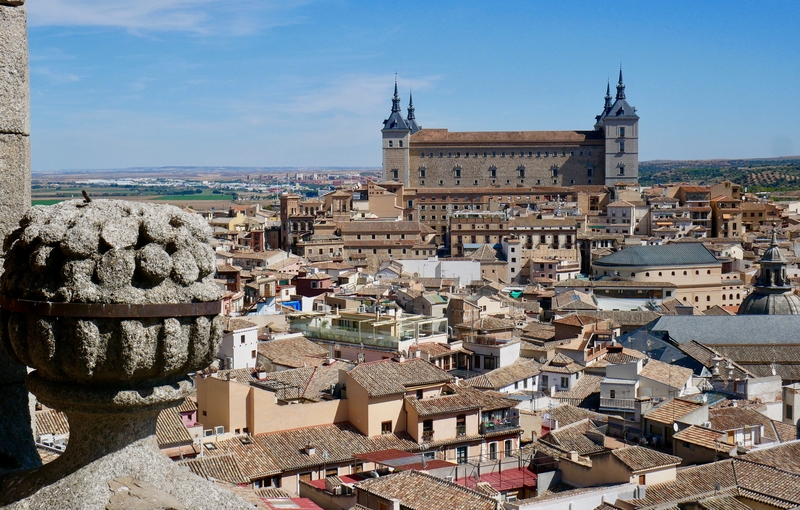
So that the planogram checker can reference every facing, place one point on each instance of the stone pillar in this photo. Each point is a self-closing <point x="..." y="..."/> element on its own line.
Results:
<point x="17" y="450"/>
<point x="113" y="303"/>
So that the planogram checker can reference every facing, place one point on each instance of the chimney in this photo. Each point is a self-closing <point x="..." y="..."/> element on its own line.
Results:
<point x="310" y="449"/>
<point x="395" y="504"/>
<point x="573" y="456"/>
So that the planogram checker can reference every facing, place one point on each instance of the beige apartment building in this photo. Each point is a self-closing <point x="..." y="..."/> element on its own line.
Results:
<point x="691" y="267"/>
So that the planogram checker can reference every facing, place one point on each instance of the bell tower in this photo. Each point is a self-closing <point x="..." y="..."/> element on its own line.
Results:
<point x="396" y="134"/>
<point x="620" y="125"/>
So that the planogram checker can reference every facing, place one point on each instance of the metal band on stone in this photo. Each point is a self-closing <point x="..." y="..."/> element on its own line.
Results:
<point x="109" y="311"/>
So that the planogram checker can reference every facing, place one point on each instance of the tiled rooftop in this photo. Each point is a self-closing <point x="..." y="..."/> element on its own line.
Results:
<point x="671" y="375"/>
<point x="505" y="376"/>
<point x="420" y="491"/>
<point x="387" y="377"/>
<point x="640" y="458"/>
<point x="292" y="352"/>
<point x="705" y="437"/>
<point x="672" y="410"/>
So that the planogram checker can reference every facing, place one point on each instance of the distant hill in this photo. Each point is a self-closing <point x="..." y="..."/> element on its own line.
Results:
<point x="767" y="174"/>
<point x="188" y="172"/>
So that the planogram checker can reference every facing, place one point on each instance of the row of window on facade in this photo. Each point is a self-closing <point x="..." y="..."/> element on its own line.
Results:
<point x="423" y="172"/>
<point x="494" y="154"/>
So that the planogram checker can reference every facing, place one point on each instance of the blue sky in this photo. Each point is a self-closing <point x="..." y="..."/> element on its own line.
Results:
<point x="118" y="84"/>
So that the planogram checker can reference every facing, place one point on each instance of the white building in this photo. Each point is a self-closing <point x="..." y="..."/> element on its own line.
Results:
<point x="239" y="347"/>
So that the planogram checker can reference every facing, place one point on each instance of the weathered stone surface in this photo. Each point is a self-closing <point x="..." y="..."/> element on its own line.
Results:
<point x="154" y="263"/>
<point x="14" y="86"/>
<point x="15" y="178"/>
<point x="133" y="494"/>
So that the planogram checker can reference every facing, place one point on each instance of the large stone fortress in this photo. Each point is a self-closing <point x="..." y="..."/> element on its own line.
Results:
<point x="431" y="158"/>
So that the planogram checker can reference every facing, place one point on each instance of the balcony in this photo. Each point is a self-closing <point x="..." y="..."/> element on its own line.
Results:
<point x="617" y="403"/>
<point x="489" y="427"/>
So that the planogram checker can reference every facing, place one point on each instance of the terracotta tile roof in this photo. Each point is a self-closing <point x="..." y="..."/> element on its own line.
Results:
<point x="665" y="373"/>
<point x="436" y="349"/>
<point x="421" y="491"/>
<point x="572" y="438"/>
<point x="705" y="437"/>
<point x="505" y="376"/>
<point x="217" y="467"/>
<point x="443" y="404"/>
<point x="47" y="455"/>
<point x="489" y="324"/>
<point x="50" y="421"/>
<point x="187" y="405"/>
<point x="769" y="483"/>
<point x="291" y="352"/>
<point x="672" y="410"/>
<point x="271" y="492"/>
<point x="312" y="383"/>
<point x="585" y="387"/>
<point x="387" y="377"/>
<point x="640" y="458"/>
<point x="562" y="364"/>
<point x="726" y="502"/>
<point x="253" y="459"/>
<point x="705" y="355"/>
<point x="729" y="418"/>
<point x="439" y="136"/>
<point x="170" y="430"/>
<point x="689" y="483"/>
<point x="235" y="324"/>
<point x="784" y="456"/>
<point x="341" y="441"/>
<point x="566" y="414"/>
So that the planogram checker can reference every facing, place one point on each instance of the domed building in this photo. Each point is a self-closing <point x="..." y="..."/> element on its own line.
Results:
<point x="773" y="294"/>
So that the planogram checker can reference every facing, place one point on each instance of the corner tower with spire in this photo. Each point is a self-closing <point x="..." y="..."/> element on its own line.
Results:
<point x="396" y="138"/>
<point x="620" y="125"/>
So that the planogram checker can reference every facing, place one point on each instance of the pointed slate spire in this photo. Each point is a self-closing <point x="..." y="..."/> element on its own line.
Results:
<point x="412" y="122"/>
<point x="395" y="120"/>
<point x="608" y="96"/>
<point x="620" y="86"/>
<point x="395" y="98"/>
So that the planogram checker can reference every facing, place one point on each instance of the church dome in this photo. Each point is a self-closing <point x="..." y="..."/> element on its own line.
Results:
<point x="773" y="294"/>
<point x="765" y="303"/>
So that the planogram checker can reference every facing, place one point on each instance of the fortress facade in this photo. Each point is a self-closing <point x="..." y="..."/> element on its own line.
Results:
<point x="438" y="158"/>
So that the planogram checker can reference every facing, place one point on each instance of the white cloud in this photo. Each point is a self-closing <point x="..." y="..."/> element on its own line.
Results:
<point x="194" y="16"/>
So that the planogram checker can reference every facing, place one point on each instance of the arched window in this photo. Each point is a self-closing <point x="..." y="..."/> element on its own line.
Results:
<point x="737" y="296"/>
<point x="673" y="273"/>
<point x="708" y="298"/>
<point x="400" y="142"/>
<point x="708" y="271"/>
<point x="391" y="143"/>
<point x="697" y="272"/>
<point x="696" y="299"/>
<point x="647" y="274"/>
<point x="684" y="273"/>
<point x="659" y="273"/>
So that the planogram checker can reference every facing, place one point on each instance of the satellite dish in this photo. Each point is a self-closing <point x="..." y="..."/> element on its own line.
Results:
<point x="675" y="427"/>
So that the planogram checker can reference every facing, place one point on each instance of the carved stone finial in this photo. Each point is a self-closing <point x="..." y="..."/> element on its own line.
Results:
<point x="109" y="302"/>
